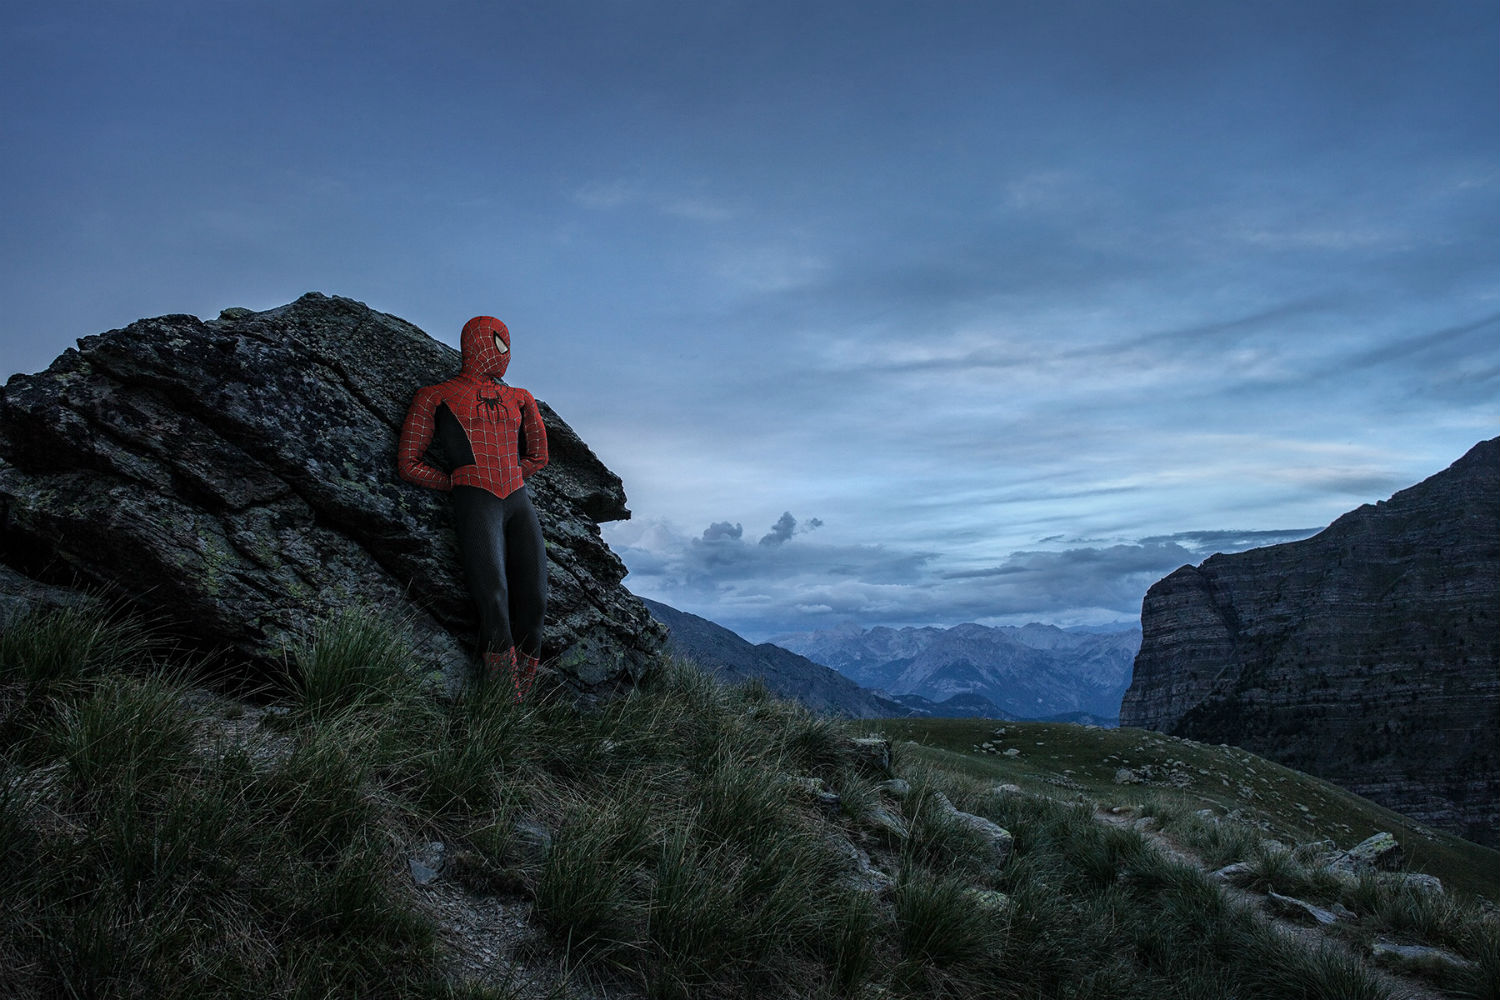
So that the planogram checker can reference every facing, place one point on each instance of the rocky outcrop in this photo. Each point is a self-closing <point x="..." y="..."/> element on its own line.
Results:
<point x="1368" y="654"/>
<point x="236" y="479"/>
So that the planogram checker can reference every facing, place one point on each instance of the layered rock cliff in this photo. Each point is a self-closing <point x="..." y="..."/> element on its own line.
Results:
<point x="1368" y="654"/>
<point x="236" y="478"/>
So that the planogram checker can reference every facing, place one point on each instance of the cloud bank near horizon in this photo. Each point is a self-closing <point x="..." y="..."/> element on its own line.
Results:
<point x="796" y="583"/>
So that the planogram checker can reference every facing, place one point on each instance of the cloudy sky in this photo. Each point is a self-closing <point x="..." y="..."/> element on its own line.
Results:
<point x="888" y="312"/>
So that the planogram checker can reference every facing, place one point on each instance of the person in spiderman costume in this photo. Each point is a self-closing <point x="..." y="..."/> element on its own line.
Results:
<point x="492" y="437"/>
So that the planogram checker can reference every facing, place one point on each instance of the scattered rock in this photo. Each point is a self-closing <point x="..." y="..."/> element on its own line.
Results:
<point x="1292" y="907"/>
<point x="531" y="839"/>
<point x="814" y="790"/>
<point x="898" y="788"/>
<point x="865" y="875"/>
<point x="1379" y="852"/>
<point x="1415" y="881"/>
<point x="883" y="819"/>
<point x="20" y="594"/>
<point x="426" y="862"/>
<point x="1321" y="852"/>
<point x="872" y="753"/>
<point x="1416" y="958"/>
<point x="990" y="900"/>
<point x="998" y="838"/>
<point x="1236" y="874"/>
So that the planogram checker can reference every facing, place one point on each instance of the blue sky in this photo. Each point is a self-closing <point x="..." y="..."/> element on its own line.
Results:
<point x="1011" y="307"/>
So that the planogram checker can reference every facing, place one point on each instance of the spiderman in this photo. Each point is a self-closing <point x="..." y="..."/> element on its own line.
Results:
<point x="492" y="437"/>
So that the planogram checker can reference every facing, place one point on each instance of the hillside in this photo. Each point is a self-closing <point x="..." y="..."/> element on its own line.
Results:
<point x="362" y="835"/>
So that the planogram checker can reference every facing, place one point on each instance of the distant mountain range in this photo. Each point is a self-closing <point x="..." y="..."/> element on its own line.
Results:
<point x="1031" y="672"/>
<point x="1035" y="672"/>
<point x="735" y="660"/>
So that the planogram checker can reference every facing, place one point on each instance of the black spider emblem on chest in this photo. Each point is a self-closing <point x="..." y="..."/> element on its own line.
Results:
<point x="490" y="406"/>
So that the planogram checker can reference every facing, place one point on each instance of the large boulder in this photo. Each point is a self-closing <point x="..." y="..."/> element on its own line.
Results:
<point x="236" y="479"/>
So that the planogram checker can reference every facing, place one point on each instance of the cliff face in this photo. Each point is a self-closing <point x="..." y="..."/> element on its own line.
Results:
<point x="236" y="478"/>
<point x="1368" y="654"/>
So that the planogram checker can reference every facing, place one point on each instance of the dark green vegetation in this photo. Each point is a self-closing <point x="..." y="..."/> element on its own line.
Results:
<point x="160" y="841"/>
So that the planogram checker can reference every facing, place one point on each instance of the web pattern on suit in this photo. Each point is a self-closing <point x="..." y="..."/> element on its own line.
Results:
<point x="499" y="420"/>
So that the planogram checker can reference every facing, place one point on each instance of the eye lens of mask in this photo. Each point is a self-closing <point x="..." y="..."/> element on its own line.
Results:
<point x="500" y="344"/>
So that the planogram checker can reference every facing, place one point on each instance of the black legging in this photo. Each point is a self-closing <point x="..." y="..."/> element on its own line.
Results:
<point x="505" y="565"/>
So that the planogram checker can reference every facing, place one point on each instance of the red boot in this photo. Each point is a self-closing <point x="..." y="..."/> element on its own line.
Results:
<point x="525" y="675"/>
<point x="500" y="667"/>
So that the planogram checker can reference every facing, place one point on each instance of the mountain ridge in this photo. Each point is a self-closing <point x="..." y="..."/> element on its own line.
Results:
<point x="735" y="659"/>
<point x="1029" y="671"/>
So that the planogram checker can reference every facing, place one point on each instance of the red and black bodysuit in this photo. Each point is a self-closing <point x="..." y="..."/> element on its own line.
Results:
<point x="491" y="438"/>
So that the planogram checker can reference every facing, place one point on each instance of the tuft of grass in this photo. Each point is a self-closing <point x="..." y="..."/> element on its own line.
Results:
<point x="1100" y="855"/>
<point x="693" y="929"/>
<point x="317" y="793"/>
<point x="857" y="792"/>
<point x="587" y="894"/>
<point x="1433" y="918"/>
<point x="742" y="798"/>
<point x="938" y="920"/>
<point x="1482" y="946"/>
<point x="851" y="941"/>
<point x="1280" y="871"/>
<point x="815" y="744"/>
<point x="45" y="650"/>
<point x="355" y="658"/>
<point x="1320" y="970"/>
<point x="1218" y="842"/>
<point x="1168" y="811"/>
<point x="128" y="731"/>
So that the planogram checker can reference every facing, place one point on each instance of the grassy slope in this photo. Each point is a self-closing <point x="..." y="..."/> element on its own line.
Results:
<point x="1288" y="805"/>
<point x="699" y="841"/>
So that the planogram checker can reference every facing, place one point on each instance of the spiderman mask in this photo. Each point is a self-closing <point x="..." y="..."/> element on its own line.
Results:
<point x="485" y="344"/>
